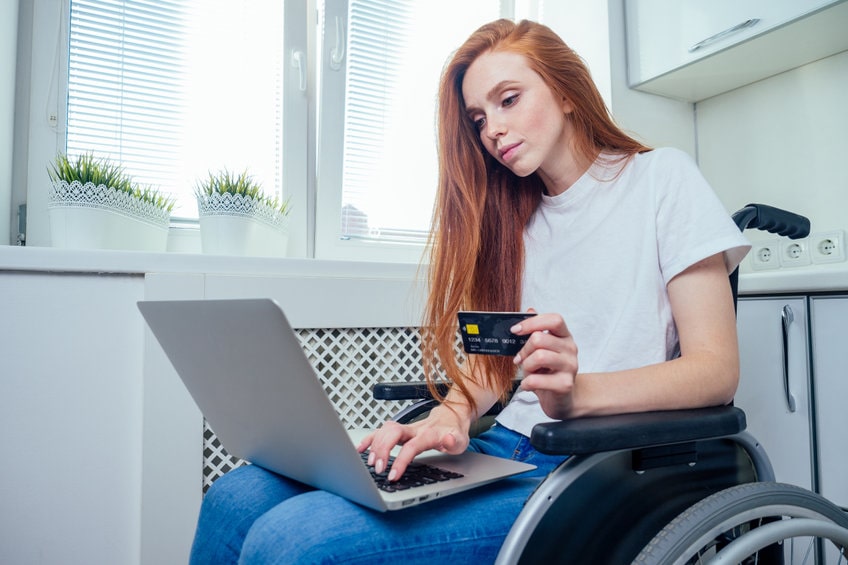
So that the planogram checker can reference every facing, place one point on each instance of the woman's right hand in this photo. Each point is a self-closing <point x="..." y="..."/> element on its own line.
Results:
<point x="444" y="429"/>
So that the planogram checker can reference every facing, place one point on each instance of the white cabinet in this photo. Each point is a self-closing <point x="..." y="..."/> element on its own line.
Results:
<point x="774" y="382"/>
<point x="794" y="387"/>
<point x="829" y="332"/>
<point x="695" y="49"/>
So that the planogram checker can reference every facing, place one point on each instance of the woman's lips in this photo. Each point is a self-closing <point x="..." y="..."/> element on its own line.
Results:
<point x="509" y="151"/>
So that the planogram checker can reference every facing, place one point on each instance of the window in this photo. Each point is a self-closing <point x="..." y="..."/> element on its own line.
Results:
<point x="331" y="102"/>
<point x="175" y="89"/>
<point x="376" y="187"/>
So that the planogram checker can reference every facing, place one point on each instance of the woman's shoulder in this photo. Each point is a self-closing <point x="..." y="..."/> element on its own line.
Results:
<point x="666" y="165"/>
<point x="664" y="157"/>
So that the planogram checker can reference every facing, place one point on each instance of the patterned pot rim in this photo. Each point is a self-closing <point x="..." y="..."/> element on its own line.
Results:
<point x="101" y="197"/>
<point x="240" y="205"/>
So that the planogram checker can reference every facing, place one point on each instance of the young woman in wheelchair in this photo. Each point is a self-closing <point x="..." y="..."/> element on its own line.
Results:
<point x="544" y="203"/>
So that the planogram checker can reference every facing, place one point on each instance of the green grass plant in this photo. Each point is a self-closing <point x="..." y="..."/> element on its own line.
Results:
<point x="224" y="181"/>
<point x="101" y="171"/>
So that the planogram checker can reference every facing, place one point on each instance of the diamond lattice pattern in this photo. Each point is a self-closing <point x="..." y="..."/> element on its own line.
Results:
<point x="349" y="361"/>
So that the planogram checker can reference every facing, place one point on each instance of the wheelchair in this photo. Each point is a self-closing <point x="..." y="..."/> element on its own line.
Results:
<point x="681" y="486"/>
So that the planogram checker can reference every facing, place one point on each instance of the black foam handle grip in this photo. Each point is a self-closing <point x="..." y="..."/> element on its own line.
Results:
<point x="773" y="220"/>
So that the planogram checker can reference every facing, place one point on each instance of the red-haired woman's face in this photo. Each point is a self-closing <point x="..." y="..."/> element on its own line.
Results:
<point x="521" y="121"/>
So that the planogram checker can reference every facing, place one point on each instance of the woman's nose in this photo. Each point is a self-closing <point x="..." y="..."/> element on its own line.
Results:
<point x="495" y="128"/>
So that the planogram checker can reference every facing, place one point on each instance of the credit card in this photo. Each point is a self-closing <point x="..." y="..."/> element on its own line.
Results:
<point x="487" y="333"/>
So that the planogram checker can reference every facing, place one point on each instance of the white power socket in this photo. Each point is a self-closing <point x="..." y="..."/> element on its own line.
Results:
<point x="794" y="252"/>
<point x="827" y="247"/>
<point x="765" y="255"/>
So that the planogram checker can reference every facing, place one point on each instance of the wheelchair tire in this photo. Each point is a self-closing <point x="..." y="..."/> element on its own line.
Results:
<point x="716" y="521"/>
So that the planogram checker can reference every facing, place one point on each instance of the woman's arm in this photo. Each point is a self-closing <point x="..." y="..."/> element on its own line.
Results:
<point x="705" y="374"/>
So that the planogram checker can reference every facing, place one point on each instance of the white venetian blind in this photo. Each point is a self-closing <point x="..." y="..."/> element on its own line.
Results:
<point x="126" y="89"/>
<point x="396" y="51"/>
<point x="173" y="89"/>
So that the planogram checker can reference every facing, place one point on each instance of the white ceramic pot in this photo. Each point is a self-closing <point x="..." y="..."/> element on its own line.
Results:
<point x="233" y="224"/>
<point x="100" y="217"/>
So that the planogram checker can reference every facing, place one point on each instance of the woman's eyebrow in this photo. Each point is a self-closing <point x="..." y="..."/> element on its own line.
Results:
<point x="493" y="93"/>
<point x="495" y="90"/>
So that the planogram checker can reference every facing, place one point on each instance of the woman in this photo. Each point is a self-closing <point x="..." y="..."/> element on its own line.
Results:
<point x="544" y="204"/>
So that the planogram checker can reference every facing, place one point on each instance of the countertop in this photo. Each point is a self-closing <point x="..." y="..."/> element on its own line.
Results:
<point x="812" y="278"/>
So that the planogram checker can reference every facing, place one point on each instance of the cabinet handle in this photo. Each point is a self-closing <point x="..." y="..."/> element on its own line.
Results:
<point x="787" y="317"/>
<point x="722" y="34"/>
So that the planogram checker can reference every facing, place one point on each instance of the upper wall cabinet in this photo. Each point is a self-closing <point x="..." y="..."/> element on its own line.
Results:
<point x="694" y="49"/>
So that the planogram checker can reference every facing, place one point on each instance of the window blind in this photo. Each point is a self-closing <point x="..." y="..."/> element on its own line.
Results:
<point x="126" y="85"/>
<point x="396" y="51"/>
<point x="174" y="89"/>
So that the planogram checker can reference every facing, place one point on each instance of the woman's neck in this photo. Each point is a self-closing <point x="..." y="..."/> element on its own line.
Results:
<point x="566" y="171"/>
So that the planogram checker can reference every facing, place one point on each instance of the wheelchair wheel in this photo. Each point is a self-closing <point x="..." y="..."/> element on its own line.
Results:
<point x="747" y="524"/>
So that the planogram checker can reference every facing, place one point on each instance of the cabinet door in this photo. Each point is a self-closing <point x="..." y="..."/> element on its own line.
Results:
<point x="829" y="318"/>
<point x="774" y="384"/>
<point x="671" y="43"/>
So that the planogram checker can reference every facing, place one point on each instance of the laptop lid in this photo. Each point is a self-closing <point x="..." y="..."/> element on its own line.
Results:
<point x="242" y="363"/>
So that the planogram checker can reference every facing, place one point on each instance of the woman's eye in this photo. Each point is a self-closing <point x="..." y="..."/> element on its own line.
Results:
<point x="510" y="100"/>
<point x="479" y="123"/>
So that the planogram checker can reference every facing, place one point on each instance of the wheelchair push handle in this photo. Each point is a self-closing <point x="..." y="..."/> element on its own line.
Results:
<point x="773" y="220"/>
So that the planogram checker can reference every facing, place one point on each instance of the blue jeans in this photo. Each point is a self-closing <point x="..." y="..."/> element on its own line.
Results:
<point x="251" y="515"/>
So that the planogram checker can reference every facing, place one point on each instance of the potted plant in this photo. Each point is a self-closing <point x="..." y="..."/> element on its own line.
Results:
<point x="94" y="204"/>
<point x="238" y="218"/>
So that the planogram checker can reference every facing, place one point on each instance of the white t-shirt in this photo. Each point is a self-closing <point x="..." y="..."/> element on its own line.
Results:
<point x="602" y="253"/>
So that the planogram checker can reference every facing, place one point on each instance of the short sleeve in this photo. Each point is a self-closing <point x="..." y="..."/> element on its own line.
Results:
<point x="692" y="223"/>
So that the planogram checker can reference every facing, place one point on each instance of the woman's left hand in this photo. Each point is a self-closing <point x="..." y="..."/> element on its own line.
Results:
<point x="549" y="363"/>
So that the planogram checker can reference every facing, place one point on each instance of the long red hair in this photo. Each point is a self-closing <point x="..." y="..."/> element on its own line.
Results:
<point x="481" y="209"/>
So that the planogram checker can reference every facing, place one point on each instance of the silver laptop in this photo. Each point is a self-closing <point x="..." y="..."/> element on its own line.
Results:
<point x="244" y="366"/>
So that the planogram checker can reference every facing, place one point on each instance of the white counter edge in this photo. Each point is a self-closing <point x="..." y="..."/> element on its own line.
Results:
<point x="813" y="278"/>
<point x="47" y="259"/>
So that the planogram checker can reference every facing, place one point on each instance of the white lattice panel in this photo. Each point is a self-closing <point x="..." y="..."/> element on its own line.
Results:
<point x="349" y="362"/>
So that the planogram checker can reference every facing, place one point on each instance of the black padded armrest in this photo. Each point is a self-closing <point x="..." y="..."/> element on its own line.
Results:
<point x="405" y="391"/>
<point x="632" y="431"/>
<point x="413" y="390"/>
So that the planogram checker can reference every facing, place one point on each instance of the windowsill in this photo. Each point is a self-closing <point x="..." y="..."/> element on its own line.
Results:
<point x="53" y="260"/>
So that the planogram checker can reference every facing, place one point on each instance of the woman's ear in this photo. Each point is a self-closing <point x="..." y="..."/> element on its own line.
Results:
<point x="567" y="106"/>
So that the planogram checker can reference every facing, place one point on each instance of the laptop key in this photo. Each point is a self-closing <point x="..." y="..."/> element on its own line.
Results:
<point x="417" y="474"/>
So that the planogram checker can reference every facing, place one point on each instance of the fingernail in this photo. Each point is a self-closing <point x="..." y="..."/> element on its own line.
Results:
<point x="379" y="466"/>
<point x="516" y="360"/>
<point x="515" y="329"/>
<point x="371" y="457"/>
<point x="392" y="475"/>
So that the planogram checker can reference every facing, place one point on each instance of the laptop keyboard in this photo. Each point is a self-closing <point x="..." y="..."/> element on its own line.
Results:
<point x="416" y="475"/>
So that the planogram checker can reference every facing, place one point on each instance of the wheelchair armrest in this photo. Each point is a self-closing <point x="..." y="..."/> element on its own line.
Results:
<point x="406" y="391"/>
<point x="413" y="390"/>
<point x="418" y="391"/>
<point x="584" y="436"/>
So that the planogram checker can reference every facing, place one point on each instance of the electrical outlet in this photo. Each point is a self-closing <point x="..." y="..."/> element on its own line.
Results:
<point x="765" y="255"/>
<point x="794" y="252"/>
<point x="828" y="247"/>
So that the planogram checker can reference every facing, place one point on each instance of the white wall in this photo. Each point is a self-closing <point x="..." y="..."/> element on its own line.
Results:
<point x="8" y="56"/>
<point x="782" y="141"/>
